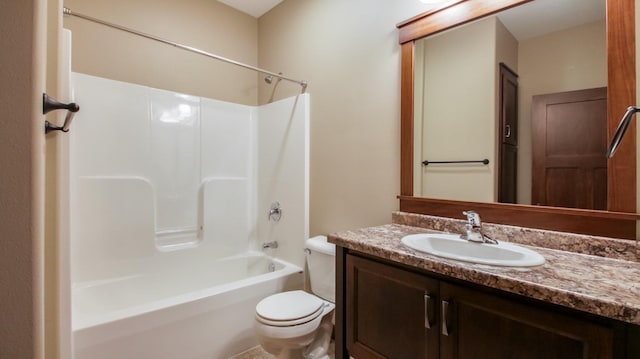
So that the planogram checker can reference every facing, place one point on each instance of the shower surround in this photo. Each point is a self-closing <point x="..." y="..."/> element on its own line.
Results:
<point x="170" y="195"/>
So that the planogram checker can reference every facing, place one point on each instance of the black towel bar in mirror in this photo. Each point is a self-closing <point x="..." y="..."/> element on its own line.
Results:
<point x="484" y="162"/>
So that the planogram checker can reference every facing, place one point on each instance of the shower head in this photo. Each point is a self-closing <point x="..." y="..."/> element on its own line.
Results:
<point x="269" y="78"/>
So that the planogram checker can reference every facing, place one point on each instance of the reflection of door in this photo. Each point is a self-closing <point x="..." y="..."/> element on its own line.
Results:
<point x="569" y="145"/>
<point x="508" y="132"/>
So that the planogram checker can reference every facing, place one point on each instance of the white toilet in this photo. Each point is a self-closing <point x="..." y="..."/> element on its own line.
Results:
<point x="296" y="324"/>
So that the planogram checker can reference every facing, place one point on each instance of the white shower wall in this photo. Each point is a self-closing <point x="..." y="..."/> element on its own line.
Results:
<point x="283" y="147"/>
<point x="161" y="178"/>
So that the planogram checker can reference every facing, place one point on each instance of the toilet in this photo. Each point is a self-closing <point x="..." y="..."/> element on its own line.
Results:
<point x="297" y="324"/>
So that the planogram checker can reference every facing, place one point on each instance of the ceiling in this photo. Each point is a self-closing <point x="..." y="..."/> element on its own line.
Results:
<point x="526" y="21"/>
<point x="255" y="8"/>
<point x="544" y="16"/>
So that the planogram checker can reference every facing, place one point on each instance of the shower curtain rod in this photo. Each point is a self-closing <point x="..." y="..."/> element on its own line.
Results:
<point x="67" y="11"/>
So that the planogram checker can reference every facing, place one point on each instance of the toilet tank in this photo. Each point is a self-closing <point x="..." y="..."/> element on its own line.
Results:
<point x="321" y="263"/>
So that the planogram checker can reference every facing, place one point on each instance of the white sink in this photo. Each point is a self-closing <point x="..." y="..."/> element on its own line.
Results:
<point x="453" y="247"/>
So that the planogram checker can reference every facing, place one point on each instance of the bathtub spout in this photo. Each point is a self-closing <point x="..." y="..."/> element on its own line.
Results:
<point x="272" y="244"/>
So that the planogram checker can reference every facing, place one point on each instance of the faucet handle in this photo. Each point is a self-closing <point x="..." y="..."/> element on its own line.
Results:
<point x="275" y="211"/>
<point x="473" y="217"/>
<point x="272" y="244"/>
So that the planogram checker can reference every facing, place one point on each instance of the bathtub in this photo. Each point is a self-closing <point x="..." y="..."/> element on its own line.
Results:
<point x="177" y="312"/>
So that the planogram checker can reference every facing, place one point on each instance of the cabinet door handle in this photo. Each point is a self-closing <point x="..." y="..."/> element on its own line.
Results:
<point x="445" y="318"/>
<point x="508" y="131"/>
<point x="427" y="320"/>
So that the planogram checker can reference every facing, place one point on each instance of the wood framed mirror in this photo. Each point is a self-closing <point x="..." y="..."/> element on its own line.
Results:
<point x="619" y="220"/>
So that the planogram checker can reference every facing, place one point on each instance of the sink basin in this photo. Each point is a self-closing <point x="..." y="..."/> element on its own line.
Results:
<point x="453" y="247"/>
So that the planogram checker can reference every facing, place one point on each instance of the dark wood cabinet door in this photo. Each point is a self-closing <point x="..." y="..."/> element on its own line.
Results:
<point x="481" y="325"/>
<point x="391" y="313"/>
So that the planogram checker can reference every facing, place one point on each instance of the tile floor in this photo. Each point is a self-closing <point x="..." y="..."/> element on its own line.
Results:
<point x="258" y="353"/>
<point x="253" y="353"/>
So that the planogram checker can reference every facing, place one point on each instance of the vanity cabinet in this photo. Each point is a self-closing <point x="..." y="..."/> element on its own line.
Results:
<point x="394" y="312"/>
<point x="391" y="313"/>
<point x="480" y="325"/>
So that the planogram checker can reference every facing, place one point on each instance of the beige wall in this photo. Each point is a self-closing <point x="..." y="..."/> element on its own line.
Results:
<point x="572" y="59"/>
<point x="459" y="112"/>
<point x="349" y="53"/>
<point x="205" y="24"/>
<point x="506" y="50"/>
<point x="22" y="77"/>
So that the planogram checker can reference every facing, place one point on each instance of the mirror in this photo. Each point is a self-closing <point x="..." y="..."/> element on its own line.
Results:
<point x="421" y="34"/>
<point x="546" y="47"/>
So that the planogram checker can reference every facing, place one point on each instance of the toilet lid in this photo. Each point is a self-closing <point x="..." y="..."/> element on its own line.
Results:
<point x="289" y="308"/>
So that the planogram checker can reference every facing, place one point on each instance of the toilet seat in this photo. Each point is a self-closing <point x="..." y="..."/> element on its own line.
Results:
<point x="289" y="308"/>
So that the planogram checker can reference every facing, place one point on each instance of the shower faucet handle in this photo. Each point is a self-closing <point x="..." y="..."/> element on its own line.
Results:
<point x="272" y="245"/>
<point x="275" y="211"/>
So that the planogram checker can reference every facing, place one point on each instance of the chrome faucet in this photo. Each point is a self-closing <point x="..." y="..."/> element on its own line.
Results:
<point x="474" y="229"/>
<point x="272" y="244"/>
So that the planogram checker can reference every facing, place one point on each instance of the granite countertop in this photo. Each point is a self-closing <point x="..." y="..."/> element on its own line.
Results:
<point x="604" y="286"/>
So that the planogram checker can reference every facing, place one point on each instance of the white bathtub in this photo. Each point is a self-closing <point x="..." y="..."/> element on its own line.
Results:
<point x="203" y="311"/>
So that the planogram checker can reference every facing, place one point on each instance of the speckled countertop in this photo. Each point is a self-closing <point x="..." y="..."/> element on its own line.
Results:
<point x="609" y="287"/>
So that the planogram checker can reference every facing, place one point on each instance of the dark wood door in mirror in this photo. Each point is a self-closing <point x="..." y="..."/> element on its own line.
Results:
<point x="569" y="149"/>
<point x="508" y="134"/>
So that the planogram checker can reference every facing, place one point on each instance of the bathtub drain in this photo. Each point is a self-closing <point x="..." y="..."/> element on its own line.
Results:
<point x="272" y="267"/>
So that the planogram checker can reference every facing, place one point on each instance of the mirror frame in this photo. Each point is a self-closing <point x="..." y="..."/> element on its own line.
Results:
<point x="620" y="219"/>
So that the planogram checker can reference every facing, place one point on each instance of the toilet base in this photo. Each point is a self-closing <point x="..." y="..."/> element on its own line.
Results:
<point x="317" y="347"/>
